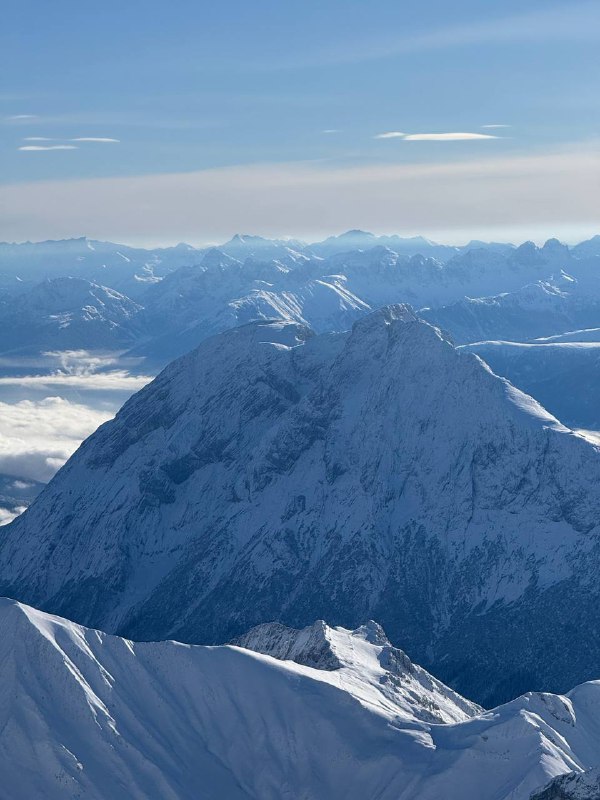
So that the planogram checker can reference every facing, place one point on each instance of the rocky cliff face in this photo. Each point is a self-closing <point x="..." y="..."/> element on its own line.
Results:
<point x="572" y="786"/>
<point x="272" y="474"/>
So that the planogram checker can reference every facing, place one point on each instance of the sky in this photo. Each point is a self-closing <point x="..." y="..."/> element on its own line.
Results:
<point x="151" y="122"/>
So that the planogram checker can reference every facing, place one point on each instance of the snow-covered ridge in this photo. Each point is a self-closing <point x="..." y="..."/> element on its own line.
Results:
<point x="365" y="661"/>
<point x="87" y="715"/>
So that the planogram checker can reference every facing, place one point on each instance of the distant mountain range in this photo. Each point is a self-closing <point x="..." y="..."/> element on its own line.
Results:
<point x="162" y="303"/>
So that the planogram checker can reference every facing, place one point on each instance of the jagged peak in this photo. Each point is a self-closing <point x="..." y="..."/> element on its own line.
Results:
<point x="310" y="646"/>
<point x="397" y="314"/>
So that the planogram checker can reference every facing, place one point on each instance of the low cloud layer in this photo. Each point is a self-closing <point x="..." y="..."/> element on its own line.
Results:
<point x="115" y="380"/>
<point x="37" y="436"/>
<point x="7" y="514"/>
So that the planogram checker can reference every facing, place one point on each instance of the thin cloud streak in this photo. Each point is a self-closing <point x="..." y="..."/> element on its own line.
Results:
<point x="447" y="137"/>
<point x="115" y="380"/>
<point x="41" y="147"/>
<point x="99" y="139"/>
<point x="390" y="135"/>
<point x="438" y="137"/>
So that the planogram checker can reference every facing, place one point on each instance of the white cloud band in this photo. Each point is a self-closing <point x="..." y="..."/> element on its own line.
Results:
<point x="39" y="147"/>
<point x="37" y="437"/>
<point x="447" y="137"/>
<point x="553" y="189"/>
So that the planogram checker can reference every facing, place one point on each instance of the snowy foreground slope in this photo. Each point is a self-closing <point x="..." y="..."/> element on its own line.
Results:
<point x="87" y="715"/>
<point x="272" y="474"/>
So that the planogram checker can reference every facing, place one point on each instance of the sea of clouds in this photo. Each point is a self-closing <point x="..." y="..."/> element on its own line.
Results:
<point x="46" y="411"/>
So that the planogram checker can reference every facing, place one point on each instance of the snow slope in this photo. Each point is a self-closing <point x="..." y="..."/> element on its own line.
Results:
<point x="86" y="715"/>
<point x="563" y="375"/>
<point x="273" y="474"/>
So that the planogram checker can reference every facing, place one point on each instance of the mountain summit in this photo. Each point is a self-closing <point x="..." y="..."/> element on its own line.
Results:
<point x="272" y="474"/>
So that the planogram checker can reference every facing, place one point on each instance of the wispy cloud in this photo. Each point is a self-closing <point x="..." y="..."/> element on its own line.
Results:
<point x="21" y="117"/>
<point x="496" y="126"/>
<point x="96" y="139"/>
<point x="100" y="139"/>
<point x="436" y="137"/>
<point x="331" y="130"/>
<point x="115" y="380"/>
<point x="447" y="137"/>
<point x="38" y="147"/>
<point x="390" y="135"/>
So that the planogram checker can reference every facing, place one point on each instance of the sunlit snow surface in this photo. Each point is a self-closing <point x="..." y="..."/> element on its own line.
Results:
<point x="87" y="715"/>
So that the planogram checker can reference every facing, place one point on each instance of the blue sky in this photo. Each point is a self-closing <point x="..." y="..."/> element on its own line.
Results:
<point x="194" y="88"/>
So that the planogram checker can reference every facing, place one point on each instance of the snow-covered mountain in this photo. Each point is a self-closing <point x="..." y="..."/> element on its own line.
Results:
<point x="258" y="248"/>
<point x="84" y="714"/>
<point x="221" y="292"/>
<point x="545" y="308"/>
<point x="68" y="314"/>
<point x="252" y="278"/>
<point x="363" y="240"/>
<point x="127" y="269"/>
<point x="479" y="291"/>
<point x="273" y="474"/>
